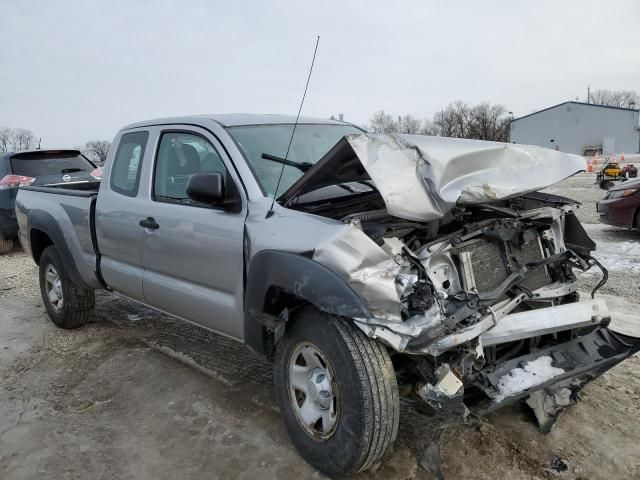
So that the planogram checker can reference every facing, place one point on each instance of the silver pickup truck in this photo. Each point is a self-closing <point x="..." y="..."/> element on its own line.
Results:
<point x="387" y="265"/>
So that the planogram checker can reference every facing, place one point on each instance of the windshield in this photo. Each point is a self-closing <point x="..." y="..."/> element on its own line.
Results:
<point x="310" y="144"/>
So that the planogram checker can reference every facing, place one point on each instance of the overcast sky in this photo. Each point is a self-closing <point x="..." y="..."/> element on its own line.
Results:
<point x="79" y="70"/>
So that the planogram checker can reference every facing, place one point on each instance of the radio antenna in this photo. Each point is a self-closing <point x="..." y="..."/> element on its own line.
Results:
<point x="295" y="125"/>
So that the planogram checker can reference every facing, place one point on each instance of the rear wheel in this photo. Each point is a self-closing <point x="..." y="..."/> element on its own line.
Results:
<point x="68" y="305"/>
<point x="6" y="245"/>
<point x="636" y="222"/>
<point x="337" y="393"/>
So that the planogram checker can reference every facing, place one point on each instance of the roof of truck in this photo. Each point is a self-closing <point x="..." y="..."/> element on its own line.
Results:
<point x="236" y="119"/>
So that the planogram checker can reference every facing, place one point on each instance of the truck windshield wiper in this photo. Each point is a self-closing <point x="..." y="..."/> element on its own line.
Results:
<point x="174" y="199"/>
<point x="302" y="166"/>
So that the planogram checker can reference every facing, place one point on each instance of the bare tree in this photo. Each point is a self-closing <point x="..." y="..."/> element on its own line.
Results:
<point x="97" y="150"/>
<point x="614" y="98"/>
<point x="382" y="122"/>
<point x="489" y="122"/>
<point x="484" y="121"/>
<point x="462" y="117"/>
<point x="630" y="98"/>
<point x="445" y="122"/>
<point x="428" y="127"/>
<point x="22" y="139"/>
<point x="5" y="138"/>
<point x="409" y="124"/>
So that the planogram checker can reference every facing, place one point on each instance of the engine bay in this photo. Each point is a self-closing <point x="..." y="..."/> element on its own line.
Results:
<point x="466" y="267"/>
<point x="461" y="296"/>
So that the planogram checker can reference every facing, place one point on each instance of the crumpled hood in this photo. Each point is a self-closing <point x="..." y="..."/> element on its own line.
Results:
<point x="422" y="178"/>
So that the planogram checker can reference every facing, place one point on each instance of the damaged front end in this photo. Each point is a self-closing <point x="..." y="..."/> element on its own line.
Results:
<point x="478" y="298"/>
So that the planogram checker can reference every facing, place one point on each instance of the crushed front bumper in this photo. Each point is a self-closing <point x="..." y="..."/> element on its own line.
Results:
<point x="500" y="326"/>
<point x="582" y="358"/>
<point x="570" y="365"/>
<point x="543" y="321"/>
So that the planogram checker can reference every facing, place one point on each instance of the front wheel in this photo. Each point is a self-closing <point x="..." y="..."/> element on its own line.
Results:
<point x="337" y="393"/>
<point x="68" y="305"/>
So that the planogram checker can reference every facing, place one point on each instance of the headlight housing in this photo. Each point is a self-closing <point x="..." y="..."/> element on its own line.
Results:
<point x="621" y="193"/>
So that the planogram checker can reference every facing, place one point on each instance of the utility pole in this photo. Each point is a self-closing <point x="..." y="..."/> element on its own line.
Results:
<point x="510" y="125"/>
<point x="588" y="94"/>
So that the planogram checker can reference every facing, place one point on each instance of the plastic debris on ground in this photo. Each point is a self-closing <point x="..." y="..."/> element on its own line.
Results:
<point x="558" y="464"/>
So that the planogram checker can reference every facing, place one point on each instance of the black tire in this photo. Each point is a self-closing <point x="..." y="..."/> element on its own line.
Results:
<point x="636" y="223"/>
<point x="76" y="303"/>
<point x="6" y="245"/>
<point x="368" y="403"/>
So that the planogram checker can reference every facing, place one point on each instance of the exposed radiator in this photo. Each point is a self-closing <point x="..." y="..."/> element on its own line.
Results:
<point x="531" y="252"/>
<point x="490" y="269"/>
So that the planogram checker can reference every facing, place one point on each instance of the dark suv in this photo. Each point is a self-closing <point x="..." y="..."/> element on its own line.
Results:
<point x="38" y="167"/>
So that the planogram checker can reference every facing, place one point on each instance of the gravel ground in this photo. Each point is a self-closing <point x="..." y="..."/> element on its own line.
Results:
<point x="137" y="394"/>
<point x="581" y="187"/>
<point x="618" y="248"/>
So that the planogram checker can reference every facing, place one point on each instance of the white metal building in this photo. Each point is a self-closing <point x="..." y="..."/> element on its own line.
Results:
<point x="581" y="128"/>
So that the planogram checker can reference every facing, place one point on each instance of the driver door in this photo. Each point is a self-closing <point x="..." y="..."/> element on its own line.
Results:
<point x="192" y="253"/>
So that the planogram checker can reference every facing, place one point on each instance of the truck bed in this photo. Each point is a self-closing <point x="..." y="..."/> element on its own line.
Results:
<point x="75" y="189"/>
<point x="66" y="213"/>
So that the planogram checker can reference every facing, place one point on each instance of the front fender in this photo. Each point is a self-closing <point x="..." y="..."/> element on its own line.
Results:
<point x="300" y="276"/>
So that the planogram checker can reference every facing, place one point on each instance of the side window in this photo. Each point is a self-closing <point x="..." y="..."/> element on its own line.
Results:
<point x="125" y="172"/>
<point x="179" y="156"/>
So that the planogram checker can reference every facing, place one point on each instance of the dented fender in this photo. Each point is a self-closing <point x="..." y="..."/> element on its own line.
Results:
<point x="299" y="276"/>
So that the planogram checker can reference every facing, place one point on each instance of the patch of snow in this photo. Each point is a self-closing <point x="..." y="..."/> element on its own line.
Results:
<point x="532" y="374"/>
<point x="613" y="250"/>
<point x="624" y="314"/>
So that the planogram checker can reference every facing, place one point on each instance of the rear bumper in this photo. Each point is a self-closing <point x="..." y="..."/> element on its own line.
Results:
<point x="8" y="223"/>
<point x="618" y="212"/>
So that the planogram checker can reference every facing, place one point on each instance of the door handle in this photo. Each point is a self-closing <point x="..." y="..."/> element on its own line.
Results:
<point x="150" y="223"/>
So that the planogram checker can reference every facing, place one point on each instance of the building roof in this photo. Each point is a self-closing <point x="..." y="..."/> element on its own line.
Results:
<point x="576" y="103"/>
<point x="237" y="119"/>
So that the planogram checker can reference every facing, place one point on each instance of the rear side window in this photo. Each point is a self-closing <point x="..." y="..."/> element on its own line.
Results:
<point x="43" y="164"/>
<point x="125" y="171"/>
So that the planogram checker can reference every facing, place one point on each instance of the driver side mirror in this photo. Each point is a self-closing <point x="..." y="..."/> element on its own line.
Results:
<point x="206" y="188"/>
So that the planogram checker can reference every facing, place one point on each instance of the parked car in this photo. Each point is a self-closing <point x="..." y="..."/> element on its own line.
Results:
<point x="629" y="171"/>
<point x="37" y="167"/>
<point x="621" y="205"/>
<point x="362" y="265"/>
